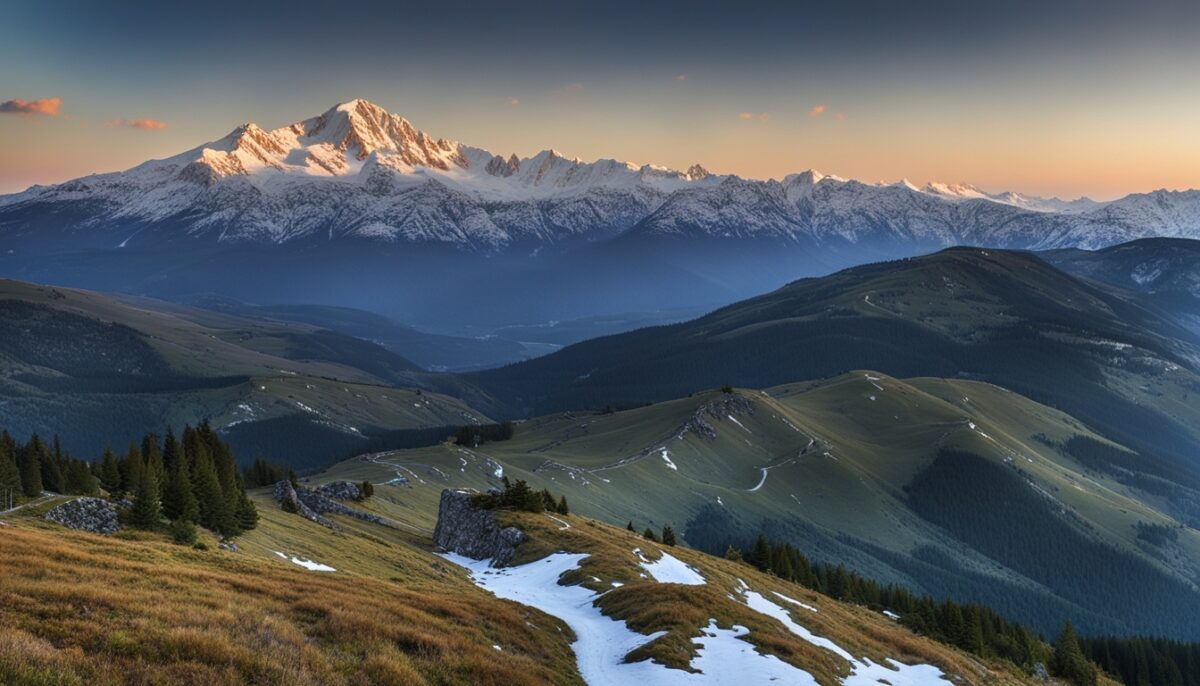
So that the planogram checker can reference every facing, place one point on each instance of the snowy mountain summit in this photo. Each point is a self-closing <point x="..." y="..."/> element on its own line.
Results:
<point x="360" y="172"/>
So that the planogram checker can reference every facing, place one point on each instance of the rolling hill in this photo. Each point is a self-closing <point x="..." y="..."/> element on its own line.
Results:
<point x="953" y="487"/>
<point x="94" y="368"/>
<point x="1117" y="363"/>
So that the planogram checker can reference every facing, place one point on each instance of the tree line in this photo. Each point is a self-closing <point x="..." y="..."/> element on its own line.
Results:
<point x="974" y="628"/>
<point x="28" y="469"/>
<point x="189" y="480"/>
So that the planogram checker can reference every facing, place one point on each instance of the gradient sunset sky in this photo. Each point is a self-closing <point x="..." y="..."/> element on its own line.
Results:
<point x="1096" y="98"/>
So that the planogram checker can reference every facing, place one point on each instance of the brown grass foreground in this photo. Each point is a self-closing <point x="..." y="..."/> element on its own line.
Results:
<point x="77" y="608"/>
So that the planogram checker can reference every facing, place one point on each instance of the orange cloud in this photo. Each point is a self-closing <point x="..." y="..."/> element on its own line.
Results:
<point x="143" y="124"/>
<point x="681" y="77"/>
<point x="839" y="116"/>
<point x="47" y="106"/>
<point x="512" y="102"/>
<point x="747" y="116"/>
<point x="816" y="111"/>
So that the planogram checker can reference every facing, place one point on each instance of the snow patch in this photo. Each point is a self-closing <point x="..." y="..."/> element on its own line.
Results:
<point x="862" y="672"/>
<point x="307" y="564"/>
<point x="670" y="570"/>
<point x="601" y="643"/>
<point x="666" y="456"/>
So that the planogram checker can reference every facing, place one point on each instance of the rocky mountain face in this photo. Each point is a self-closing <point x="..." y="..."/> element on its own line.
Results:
<point x="358" y="171"/>
<point x="471" y="531"/>
<point x="357" y="207"/>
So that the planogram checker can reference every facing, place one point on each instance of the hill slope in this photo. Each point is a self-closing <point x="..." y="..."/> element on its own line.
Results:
<point x="95" y="368"/>
<point x="880" y="474"/>
<point x="1118" y="364"/>
<point x="387" y="610"/>
<point x="1166" y="270"/>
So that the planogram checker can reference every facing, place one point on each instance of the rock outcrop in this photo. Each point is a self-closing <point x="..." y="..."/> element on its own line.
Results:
<point x="729" y="405"/>
<point x="471" y="531"/>
<point x="340" y="490"/>
<point x="313" y="504"/>
<point x="86" y="514"/>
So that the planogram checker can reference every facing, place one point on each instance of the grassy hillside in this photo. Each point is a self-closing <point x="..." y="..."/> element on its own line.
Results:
<point x="1107" y="357"/>
<point x="828" y="466"/>
<point x="96" y="369"/>
<point x="84" y="609"/>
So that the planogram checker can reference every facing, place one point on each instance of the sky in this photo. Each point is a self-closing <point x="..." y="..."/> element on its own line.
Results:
<point x="1067" y="98"/>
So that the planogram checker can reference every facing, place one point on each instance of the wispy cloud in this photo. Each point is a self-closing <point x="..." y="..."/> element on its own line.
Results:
<point x="751" y="116"/>
<point x="816" y="111"/>
<point x="512" y="102"/>
<point x="46" y="106"/>
<point x="681" y="77"/>
<point x="143" y="124"/>
<point x="840" y="116"/>
<point x="573" y="86"/>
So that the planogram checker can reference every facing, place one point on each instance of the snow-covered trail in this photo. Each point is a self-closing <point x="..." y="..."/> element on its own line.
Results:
<point x="601" y="643"/>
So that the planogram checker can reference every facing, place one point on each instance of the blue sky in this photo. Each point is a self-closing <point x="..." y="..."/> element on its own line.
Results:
<point x="1062" y="98"/>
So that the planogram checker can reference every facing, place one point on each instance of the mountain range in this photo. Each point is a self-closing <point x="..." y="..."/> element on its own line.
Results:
<point x="357" y="207"/>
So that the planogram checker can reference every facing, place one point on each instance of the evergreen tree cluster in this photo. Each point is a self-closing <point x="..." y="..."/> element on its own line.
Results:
<point x="263" y="473"/>
<point x="475" y="435"/>
<point x="192" y="479"/>
<point x="520" y="496"/>
<point x="26" y="470"/>
<point x="1142" y="661"/>
<point x="973" y="628"/>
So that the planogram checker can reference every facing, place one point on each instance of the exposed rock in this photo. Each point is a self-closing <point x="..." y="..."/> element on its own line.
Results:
<point x="730" y="405"/>
<point x="230" y="546"/>
<point x="468" y="530"/>
<point x="287" y="497"/>
<point x="87" y="514"/>
<point x="313" y="503"/>
<point x="340" y="490"/>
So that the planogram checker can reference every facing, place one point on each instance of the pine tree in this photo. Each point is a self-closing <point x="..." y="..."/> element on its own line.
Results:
<point x="50" y="473"/>
<point x="629" y="527"/>
<point x="110" y="472"/>
<point x="10" y="474"/>
<point x="760" y="554"/>
<point x="1068" y="662"/>
<point x="367" y="489"/>
<point x="245" y="513"/>
<point x="215" y="513"/>
<point x="562" y="506"/>
<point x="131" y="469"/>
<point x="146" y="511"/>
<point x="668" y="535"/>
<point x="30" y="465"/>
<point x="79" y="479"/>
<point x="179" y="502"/>
<point x="650" y="535"/>
<point x="152" y="458"/>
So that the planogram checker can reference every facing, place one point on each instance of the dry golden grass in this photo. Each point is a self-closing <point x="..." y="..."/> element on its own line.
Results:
<point x="77" y="608"/>
<point x="682" y="610"/>
<point x="82" y="609"/>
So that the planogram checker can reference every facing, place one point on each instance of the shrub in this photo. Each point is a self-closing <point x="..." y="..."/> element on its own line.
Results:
<point x="183" y="532"/>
